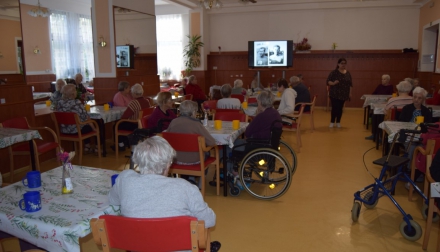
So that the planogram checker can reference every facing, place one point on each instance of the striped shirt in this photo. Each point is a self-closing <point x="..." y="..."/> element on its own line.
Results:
<point x="399" y="102"/>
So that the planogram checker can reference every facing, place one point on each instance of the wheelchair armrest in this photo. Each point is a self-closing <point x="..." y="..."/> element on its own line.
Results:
<point x="257" y="140"/>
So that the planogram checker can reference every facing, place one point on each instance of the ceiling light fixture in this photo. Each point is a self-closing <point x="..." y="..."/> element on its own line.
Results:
<point x="209" y="4"/>
<point x="39" y="11"/>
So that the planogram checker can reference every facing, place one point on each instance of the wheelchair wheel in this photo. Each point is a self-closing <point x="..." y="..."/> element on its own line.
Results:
<point x="289" y="154"/>
<point x="265" y="173"/>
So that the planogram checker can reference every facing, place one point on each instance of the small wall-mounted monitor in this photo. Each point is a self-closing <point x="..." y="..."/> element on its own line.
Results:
<point x="125" y="56"/>
<point x="271" y="53"/>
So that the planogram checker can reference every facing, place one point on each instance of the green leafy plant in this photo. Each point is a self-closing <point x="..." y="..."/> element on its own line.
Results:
<point x="191" y="53"/>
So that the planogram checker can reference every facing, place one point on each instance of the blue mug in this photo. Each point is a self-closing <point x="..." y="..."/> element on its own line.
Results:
<point x="114" y="177"/>
<point x="31" y="202"/>
<point x="110" y="104"/>
<point x="33" y="179"/>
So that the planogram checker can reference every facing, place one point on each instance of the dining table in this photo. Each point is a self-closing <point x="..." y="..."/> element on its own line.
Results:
<point x="225" y="137"/>
<point x="391" y="128"/>
<point x="370" y="99"/>
<point x="10" y="136"/>
<point x="63" y="218"/>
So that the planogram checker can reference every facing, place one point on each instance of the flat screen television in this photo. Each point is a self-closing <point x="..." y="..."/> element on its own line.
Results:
<point x="125" y="56"/>
<point x="270" y="53"/>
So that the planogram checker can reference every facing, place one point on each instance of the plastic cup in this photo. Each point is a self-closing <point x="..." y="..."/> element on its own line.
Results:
<point x="106" y="107"/>
<point x="278" y="94"/>
<point x="235" y="124"/>
<point x="31" y="202"/>
<point x="32" y="179"/>
<point x="114" y="177"/>
<point x="420" y="119"/>
<point x="394" y="95"/>
<point x="244" y="105"/>
<point x="218" y="124"/>
<point x="87" y="107"/>
<point x="176" y="94"/>
<point x="48" y="103"/>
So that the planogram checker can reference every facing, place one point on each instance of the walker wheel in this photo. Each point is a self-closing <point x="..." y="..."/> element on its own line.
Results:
<point x="435" y="218"/>
<point x="414" y="234"/>
<point x="355" y="211"/>
<point x="234" y="191"/>
<point x="367" y="198"/>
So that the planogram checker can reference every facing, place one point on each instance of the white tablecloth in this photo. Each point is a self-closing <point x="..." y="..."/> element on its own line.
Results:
<point x="378" y="109"/>
<point x="226" y="135"/>
<point x="369" y="99"/>
<point x="64" y="218"/>
<point x="250" y="111"/>
<point x="39" y="95"/>
<point x="113" y="114"/>
<point x="10" y="136"/>
<point x="393" y="127"/>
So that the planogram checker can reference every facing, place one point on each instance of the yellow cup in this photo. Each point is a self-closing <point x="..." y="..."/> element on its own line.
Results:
<point x="106" y="107"/>
<point x="218" y="124"/>
<point x="394" y="94"/>
<point x="244" y="105"/>
<point x="48" y="103"/>
<point x="420" y="119"/>
<point x="235" y="124"/>
<point x="87" y="107"/>
<point x="278" y="94"/>
<point x="176" y="94"/>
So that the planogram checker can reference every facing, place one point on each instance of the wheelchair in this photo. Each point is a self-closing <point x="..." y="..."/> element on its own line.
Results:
<point x="262" y="167"/>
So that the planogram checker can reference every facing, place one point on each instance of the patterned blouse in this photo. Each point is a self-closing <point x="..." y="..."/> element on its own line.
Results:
<point x="340" y="91"/>
<point x="72" y="106"/>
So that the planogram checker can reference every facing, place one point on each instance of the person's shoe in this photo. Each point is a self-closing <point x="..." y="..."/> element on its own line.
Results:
<point x="331" y="125"/>
<point x="215" y="246"/>
<point x="369" y="137"/>
<point x="338" y="125"/>
<point x="421" y="178"/>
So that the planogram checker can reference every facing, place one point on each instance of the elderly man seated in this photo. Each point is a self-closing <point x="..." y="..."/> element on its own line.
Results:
<point x="151" y="193"/>
<point x="227" y="102"/>
<point x="302" y="92"/>
<point x="238" y="87"/>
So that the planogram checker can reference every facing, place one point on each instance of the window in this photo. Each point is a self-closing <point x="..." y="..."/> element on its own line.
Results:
<point x="169" y="35"/>
<point x="71" y="45"/>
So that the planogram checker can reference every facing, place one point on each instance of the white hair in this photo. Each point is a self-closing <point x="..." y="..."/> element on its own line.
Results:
<point x="238" y="83"/>
<point x="137" y="90"/>
<point x="294" y="79"/>
<point x="266" y="99"/>
<point x="386" y="76"/>
<point x="154" y="155"/>
<point x="420" y="90"/>
<point x="404" y="87"/>
<point x="187" y="108"/>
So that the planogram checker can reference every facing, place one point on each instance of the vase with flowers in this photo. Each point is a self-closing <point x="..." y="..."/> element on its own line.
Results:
<point x="66" y="160"/>
<point x="303" y="46"/>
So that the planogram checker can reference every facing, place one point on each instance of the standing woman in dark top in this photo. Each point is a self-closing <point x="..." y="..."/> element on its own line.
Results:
<point x="340" y="84"/>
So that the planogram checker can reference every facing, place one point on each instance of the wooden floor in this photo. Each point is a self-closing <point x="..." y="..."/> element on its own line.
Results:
<point x="315" y="214"/>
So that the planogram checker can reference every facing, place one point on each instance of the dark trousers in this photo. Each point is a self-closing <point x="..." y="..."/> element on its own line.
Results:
<point x="337" y="106"/>
<point x="126" y="126"/>
<point x="85" y="129"/>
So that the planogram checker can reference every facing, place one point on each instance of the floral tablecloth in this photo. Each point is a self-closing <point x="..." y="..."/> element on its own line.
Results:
<point x="39" y="95"/>
<point x="369" y="99"/>
<point x="10" y="136"/>
<point x="226" y="135"/>
<point x="393" y="127"/>
<point x="378" y="108"/>
<point x="250" y="111"/>
<point x="64" y="218"/>
<point x="113" y="114"/>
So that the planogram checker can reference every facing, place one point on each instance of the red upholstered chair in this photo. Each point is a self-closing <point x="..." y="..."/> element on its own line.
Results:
<point x="238" y="96"/>
<point x="150" y="234"/>
<point x="310" y="112"/>
<point x="296" y="126"/>
<point x="230" y="116"/>
<point x="212" y="104"/>
<point x="193" y="143"/>
<point x="40" y="146"/>
<point x="71" y="118"/>
<point x="252" y="100"/>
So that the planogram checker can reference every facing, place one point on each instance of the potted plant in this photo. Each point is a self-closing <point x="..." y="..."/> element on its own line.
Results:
<point x="191" y="53"/>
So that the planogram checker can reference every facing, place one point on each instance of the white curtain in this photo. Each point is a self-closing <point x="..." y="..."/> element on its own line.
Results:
<point x="169" y="35"/>
<point x="72" y="45"/>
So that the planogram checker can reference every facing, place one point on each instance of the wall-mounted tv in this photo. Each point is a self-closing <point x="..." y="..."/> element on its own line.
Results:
<point x="125" y="56"/>
<point x="270" y="53"/>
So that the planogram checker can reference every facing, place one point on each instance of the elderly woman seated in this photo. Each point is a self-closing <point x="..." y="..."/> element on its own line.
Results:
<point x="151" y="193"/>
<point x="238" y="87"/>
<point x="288" y="95"/>
<point x="68" y="103"/>
<point x="78" y="82"/>
<point x="403" y="89"/>
<point x="56" y="96"/>
<point x="227" y="102"/>
<point x="132" y="113"/>
<point x="162" y="113"/>
<point x="411" y="111"/>
<point x="123" y="97"/>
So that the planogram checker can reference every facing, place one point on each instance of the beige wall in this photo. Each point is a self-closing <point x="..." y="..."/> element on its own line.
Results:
<point x="9" y="30"/>
<point x="351" y="29"/>
<point x="124" y="33"/>
<point x="35" y="33"/>
<point x="429" y="16"/>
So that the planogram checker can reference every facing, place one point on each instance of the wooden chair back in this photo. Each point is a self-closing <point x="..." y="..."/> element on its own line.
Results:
<point x="150" y="234"/>
<point x="230" y="116"/>
<point x="18" y="123"/>
<point x="296" y="126"/>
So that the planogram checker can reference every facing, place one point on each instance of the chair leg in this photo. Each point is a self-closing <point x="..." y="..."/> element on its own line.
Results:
<point x="203" y="183"/>
<point x="116" y="143"/>
<point x="99" y="145"/>
<point x="80" y="151"/>
<point x="312" y="123"/>
<point x="428" y="223"/>
<point x="11" y="165"/>
<point x="217" y="169"/>
<point x="37" y="161"/>
<point x="413" y="168"/>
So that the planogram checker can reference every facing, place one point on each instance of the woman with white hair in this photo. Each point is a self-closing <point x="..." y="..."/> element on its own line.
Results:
<point x="227" y="102"/>
<point x="56" y="96"/>
<point x="384" y="88"/>
<point x="123" y="97"/>
<point x="151" y="193"/>
<point x="79" y="85"/>
<point x="132" y="112"/>
<point x="238" y="87"/>
<point x="403" y="89"/>
<point x="188" y="123"/>
<point x="417" y="108"/>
